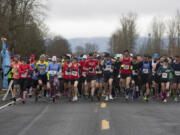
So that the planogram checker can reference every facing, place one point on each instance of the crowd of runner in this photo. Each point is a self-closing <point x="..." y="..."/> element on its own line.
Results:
<point x="96" y="77"/>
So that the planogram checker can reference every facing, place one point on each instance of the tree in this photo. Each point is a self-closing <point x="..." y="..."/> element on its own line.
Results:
<point x="58" y="47"/>
<point x="157" y="32"/>
<point x="79" y="50"/>
<point x="22" y="24"/>
<point x="125" y="37"/>
<point x="89" y="48"/>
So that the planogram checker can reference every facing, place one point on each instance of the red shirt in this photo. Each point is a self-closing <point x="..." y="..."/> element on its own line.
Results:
<point x="75" y="71"/>
<point x="83" y="71"/>
<point x="91" y="66"/>
<point x="66" y="71"/>
<point x="24" y="70"/>
<point x="126" y="66"/>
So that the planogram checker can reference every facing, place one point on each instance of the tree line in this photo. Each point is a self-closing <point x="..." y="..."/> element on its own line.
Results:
<point x="21" y="22"/>
<point x="163" y="36"/>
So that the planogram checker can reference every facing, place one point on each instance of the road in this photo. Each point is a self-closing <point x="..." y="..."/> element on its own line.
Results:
<point x="86" y="118"/>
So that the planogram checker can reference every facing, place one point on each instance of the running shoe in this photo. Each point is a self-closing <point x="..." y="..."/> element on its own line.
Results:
<point x="127" y="97"/>
<point x="106" y="98"/>
<point x="110" y="97"/>
<point x="164" y="101"/>
<point x="175" y="99"/>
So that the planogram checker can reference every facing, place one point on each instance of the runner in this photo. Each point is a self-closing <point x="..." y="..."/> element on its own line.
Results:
<point x="100" y="79"/>
<point x="176" y="78"/>
<point x="52" y="84"/>
<point x="126" y="70"/>
<point x="15" y="69"/>
<point x="135" y="78"/>
<point x="41" y="66"/>
<point x="91" y="66"/>
<point x="108" y="76"/>
<point x="146" y="71"/>
<point x="75" y="77"/>
<point x="164" y="73"/>
<point x="67" y="71"/>
<point x="83" y="79"/>
<point x="24" y="70"/>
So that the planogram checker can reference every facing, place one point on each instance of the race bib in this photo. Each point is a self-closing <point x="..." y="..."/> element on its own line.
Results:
<point x="177" y="73"/>
<point x="59" y="74"/>
<point x="145" y="71"/>
<point x="99" y="72"/>
<point x="52" y="72"/>
<point x="126" y="67"/>
<point x="134" y="72"/>
<point x="108" y="68"/>
<point x="67" y="73"/>
<point x="24" y="75"/>
<point x="164" y="75"/>
<point x="84" y="74"/>
<point x="74" y="73"/>
<point x="16" y="72"/>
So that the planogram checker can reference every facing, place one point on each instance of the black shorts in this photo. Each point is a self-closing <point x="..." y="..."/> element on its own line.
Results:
<point x="124" y="76"/>
<point x="68" y="81"/>
<point x="176" y="79"/>
<point x="24" y="84"/>
<point x="43" y="78"/>
<point x="16" y="81"/>
<point x="91" y="78"/>
<point x="82" y="79"/>
<point x="135" y="79"/>
<point x="145" y="79"/>
<point x="107" y="77"/>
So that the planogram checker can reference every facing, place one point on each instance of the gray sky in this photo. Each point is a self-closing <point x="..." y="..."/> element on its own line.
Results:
<point x="95" y="18"/>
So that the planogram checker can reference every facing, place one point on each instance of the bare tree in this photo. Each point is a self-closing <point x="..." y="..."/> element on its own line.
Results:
<point x="125" y="37"/>
<point x="79" y="50"/>
<point x="171" y="31"/>
<point x="89" y="48"/>
<point x="158" y="30"/>
<point x="58" y="46"/>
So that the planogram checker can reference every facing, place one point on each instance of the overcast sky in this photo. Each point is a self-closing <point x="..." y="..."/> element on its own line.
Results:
<point x="96" y="18"/>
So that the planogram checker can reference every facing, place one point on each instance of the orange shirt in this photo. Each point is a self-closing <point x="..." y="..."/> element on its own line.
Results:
<point x="15" y="67"/>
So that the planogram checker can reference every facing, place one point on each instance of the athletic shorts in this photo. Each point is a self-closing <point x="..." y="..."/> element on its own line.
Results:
<point x="145" y="79"/>
<point x="82" y="79"/>
<point x="68" y="80"/>
<point x="16" y="81"/>
<point x="176" y="79"/>
<point x="135" y="79"/>
<point x="91" y="78"/>
<point x="107" y="77"/>
<point x="24" y="84"/>
<point x="100" y="79"/>
<point x="43" y="78"/>
<point x="124" y="76"/>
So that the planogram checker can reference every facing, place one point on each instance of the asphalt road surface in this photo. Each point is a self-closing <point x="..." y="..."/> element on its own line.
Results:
<point x="86" y="118"/>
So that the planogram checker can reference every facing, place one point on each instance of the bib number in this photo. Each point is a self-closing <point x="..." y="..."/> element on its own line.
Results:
<point x="52" y="72"/>
<point x="67" y="73"/>
<point x="145" y="71"/>
<point x="164" y="75"/>
<point x="74" y="73"/>
<point x="84" y="74"/>
<point x="134" y="72"/>
<point x="126" y="67"/>
<point x="108" y="68"/>
<point x="177" y="73"/>
<point x="24" y="75"/>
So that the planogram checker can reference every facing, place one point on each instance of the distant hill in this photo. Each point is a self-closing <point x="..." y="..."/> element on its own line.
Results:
<point x="102" y="42"/>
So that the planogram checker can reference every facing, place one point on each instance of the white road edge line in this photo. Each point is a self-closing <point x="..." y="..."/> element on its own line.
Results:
<point x="8" y="104"/>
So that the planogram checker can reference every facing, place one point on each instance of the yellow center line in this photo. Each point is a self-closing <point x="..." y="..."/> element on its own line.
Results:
<point x="105" y="125"/>
<point x="103" y="105"/>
